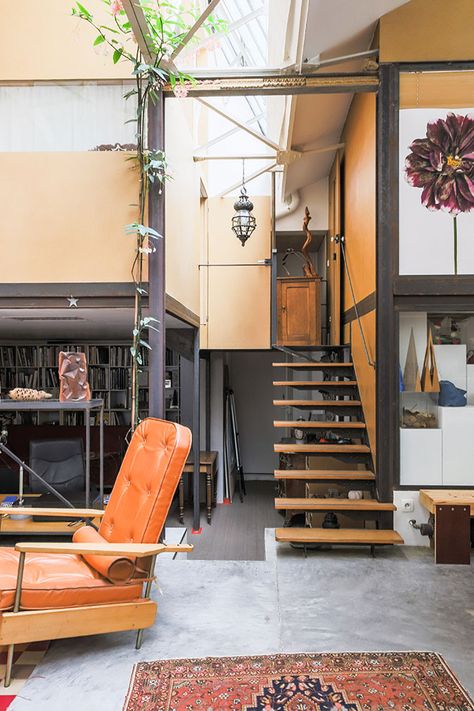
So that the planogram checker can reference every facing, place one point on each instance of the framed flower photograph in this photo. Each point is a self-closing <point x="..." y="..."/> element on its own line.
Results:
<point x="437" y="191"/>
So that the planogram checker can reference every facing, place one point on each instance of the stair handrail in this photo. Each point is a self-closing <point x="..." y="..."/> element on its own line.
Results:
<point x="340" y="239"/>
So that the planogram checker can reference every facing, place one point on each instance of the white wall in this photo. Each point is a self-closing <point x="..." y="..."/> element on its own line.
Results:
<point x="411" y="536"/>
<point x="251" y="379"/>
<point x="315" y="196"/>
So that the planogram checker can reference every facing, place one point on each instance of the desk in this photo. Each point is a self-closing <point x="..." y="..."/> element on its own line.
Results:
<point x="452" y="510"/>
<point x="86" y="406"/>
<point x="28" y="527"/>
<point x="208" y="466"/>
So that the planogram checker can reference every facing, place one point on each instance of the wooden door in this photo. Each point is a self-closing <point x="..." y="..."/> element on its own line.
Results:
<point x="298" y="311"/>
<point x="334" y="253"/>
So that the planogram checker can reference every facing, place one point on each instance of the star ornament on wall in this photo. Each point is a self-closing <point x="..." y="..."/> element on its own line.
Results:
<point x="73" y="302"/>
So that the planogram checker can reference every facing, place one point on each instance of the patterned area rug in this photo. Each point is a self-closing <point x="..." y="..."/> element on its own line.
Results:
<point x="401" y="681"/>
<point x="25" y="659"/>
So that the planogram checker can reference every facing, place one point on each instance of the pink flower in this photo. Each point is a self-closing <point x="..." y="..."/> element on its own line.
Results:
<point x="116" y="7"/>
<point x="180" y="91"/>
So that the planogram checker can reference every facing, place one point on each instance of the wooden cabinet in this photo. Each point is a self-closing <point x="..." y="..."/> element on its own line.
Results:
<point x="298" y="311"/>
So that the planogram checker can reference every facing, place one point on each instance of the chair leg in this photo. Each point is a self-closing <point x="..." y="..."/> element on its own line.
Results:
<point x="8" y="670"/>
<point x="139" y="639"/>
<point x="16" y="607"/>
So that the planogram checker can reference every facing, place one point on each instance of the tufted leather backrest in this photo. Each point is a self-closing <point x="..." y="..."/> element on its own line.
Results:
<point x="146" y="482"/>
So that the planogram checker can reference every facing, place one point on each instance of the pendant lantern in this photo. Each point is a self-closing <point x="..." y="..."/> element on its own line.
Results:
<point x="243" y="222"/>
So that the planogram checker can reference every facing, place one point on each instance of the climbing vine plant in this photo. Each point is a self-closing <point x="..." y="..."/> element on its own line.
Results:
<point x="168" y="23"/>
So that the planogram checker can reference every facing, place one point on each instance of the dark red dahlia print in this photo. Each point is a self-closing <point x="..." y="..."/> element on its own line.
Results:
<point x="442" y="164"/>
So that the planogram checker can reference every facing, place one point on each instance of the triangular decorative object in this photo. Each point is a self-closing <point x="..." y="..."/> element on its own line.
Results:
<point x="429" y="374"/>
<point x="411" y="374"/>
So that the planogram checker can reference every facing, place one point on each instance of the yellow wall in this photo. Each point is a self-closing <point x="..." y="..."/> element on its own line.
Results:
<point x="443" y="90"/>
<point x="236" y="299"/>
<point x="360" y="233"/>
<point x="183" y="212"/>
<point x="424" y="30"/>
<point x="359" y="196"/>
<point x="63" y="217"/>
<point x="42" y="41"/>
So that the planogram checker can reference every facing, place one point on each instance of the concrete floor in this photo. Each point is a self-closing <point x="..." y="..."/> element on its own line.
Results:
<point x="332" y="601"/>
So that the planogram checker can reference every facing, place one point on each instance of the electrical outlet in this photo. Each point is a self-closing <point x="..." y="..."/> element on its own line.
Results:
<point x="408" y="505"/>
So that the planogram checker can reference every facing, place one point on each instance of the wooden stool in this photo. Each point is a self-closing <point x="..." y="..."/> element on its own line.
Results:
<point x="207" y="467"/>
<point x="452" y="510"/>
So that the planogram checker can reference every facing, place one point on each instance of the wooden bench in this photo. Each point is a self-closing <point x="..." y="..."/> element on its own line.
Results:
<point x="451" y="510"/>
<point x="208" y="467"/>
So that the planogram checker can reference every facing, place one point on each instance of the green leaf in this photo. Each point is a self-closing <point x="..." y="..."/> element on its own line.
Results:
<point x="116" y="56"/>
<point x="98" y="40"/>
<point x="147" y="345"/>
<point x="83" y="10"/>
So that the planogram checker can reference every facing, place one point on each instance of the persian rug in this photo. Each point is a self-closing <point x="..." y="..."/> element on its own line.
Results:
<point x="401" y="681"/>
<point x="25" y="659"/>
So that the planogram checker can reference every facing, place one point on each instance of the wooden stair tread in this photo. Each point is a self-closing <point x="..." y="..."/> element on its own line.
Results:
<point x="338" y="535"/>
<point x="326" y="448"/>
<point x="319" y="504"/>
<point x="316" y="384"/>
<point x="313" y="364"/>
<point x="325" y="474"/>
<point x="314" y="425"/>
<point x="317" y="404"/>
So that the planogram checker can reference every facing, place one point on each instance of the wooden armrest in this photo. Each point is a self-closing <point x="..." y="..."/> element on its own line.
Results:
<point x="136" y="550"/>
<point x="60" y="513"/>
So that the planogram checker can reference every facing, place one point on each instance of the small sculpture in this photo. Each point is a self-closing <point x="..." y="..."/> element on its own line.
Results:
<point x="28" y="394"/>
<point x="308" y="268"/>
<point x="73" y="377"/>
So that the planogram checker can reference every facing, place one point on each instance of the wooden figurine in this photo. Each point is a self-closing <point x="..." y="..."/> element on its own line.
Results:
<point x="73" y="377"/>
<point x="429" y="373"/>
<point x="411" y="374"/>
<point x="308" y="268"/>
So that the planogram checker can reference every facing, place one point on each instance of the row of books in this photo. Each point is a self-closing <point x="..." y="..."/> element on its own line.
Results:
<point x="119" y="378"/>
<point x="120" y="356"/>
<point x="98" y="355"/>
<point x="7" y="356"/>
<point x="98" y="377"/>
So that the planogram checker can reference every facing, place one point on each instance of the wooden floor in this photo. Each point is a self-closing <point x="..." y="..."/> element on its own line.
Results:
<point x="237" y="531"/>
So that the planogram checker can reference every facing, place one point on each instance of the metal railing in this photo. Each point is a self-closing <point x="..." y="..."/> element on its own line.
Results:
<point x="340" y="239"/>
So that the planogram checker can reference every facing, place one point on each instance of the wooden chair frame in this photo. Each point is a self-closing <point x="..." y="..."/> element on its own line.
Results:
<point x="20" y="626"/>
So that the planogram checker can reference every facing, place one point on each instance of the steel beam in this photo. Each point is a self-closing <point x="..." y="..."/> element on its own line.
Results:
<point x="278" y="84"/>
<point x="156" y="268"/>
<point x="201" y="19"/>
<point x="196" y="435"/>
<point x="241" y="125"/>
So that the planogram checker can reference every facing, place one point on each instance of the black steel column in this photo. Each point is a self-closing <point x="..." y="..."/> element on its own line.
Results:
<point x="387" y="358"/>
<point x="156" y="267"/>
<point x="196" y="434"/>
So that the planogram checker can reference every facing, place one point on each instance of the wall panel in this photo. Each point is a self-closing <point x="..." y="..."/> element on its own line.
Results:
<point x="235" y="288"/>
<point x="63" y="217"/>
<point x="360" y="197"/>
<point x="42" y="41"/>
<point x="428" y="30"/>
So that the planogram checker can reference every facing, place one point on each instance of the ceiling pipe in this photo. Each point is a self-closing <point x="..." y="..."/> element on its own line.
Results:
<point x="289" y="205"/>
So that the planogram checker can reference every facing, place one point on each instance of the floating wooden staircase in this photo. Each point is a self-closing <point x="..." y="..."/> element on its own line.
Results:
<point x="316" y="474"/>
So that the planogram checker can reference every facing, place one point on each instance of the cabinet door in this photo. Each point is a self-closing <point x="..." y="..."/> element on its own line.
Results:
<point x="298" y="314"/>
<point x="457" y="425"/>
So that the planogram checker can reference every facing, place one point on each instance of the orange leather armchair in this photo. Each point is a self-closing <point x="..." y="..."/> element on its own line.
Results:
<point x="100" y="582"/>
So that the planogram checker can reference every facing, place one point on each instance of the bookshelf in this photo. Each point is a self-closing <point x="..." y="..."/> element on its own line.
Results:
<point x="34" y="365"/>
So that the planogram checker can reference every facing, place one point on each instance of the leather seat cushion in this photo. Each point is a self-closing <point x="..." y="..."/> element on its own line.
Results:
<point x="55" y="580"/>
